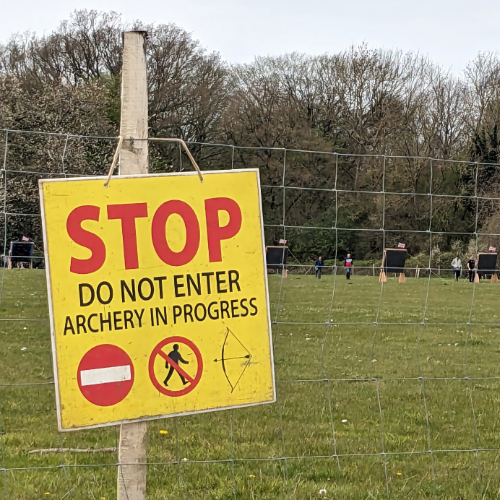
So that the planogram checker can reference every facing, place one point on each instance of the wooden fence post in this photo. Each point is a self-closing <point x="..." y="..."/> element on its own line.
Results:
<point x="133" y="160"/>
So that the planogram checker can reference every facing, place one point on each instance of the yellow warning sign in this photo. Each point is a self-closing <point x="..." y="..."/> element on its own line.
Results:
<point x="158" y="296"/>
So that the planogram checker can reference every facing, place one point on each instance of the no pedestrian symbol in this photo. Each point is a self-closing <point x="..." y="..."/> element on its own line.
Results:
<point x="175" y="361"/>
<point x="105" y="375"/>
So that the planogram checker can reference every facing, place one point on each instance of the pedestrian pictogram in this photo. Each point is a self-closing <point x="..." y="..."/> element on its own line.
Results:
<point x="105" y="375"/>
<point x="173" y="351"/>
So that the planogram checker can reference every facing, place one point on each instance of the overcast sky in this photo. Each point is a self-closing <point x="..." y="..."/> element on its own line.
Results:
<point x="451" y="33"/>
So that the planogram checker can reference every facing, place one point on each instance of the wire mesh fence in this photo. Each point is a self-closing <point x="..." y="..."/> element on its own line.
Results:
<point x="383" y="389"/>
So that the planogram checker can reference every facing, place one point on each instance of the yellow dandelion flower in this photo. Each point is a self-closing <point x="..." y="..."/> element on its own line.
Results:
<point x="399" y="473"/>
<point x="251" y="475"/>
<point x="163" y="432"/>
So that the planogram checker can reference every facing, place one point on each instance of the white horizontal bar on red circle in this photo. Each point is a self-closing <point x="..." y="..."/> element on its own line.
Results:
<point x="106" y="375"/>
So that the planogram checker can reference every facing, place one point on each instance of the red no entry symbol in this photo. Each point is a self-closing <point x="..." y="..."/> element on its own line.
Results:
<point x="189" y="382"/>
<point x="105" y="375"/>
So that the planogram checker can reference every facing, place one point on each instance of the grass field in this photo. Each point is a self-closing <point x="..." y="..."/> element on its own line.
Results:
<point x="349" y="390"/>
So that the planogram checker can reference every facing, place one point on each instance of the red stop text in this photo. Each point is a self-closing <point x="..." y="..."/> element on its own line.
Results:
<point x="126" y="215"/>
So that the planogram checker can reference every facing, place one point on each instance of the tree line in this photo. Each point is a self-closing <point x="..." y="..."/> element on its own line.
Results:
<point x="360" y="101"/>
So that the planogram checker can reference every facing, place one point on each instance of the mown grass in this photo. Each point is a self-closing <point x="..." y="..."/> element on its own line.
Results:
<point x="360" y="372"/>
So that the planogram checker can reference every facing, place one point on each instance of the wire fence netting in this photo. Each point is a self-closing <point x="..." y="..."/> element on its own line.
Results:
<point x="384" y="389"/>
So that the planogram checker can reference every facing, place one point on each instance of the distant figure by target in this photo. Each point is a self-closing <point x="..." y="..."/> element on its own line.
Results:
<point x="318" y="267"/>
<point x="471" y="267"/>
<point x="348" y="266"/>
<point x="456" y="263"/>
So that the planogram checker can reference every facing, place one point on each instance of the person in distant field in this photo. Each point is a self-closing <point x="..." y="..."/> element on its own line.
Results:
<point x="471" y="264"/>
<point x="456" y="264"/>
<point x="348" y="266"/>
<point x="318" y="266"/>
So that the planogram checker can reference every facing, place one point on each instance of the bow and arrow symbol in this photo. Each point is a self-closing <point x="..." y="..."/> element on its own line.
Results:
<point x="223" y="360"/>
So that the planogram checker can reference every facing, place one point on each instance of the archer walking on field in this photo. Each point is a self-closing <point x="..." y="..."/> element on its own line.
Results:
<point x="318" y="267"/>
<point x="456" y="264"/>
<point x="348" y="266"/>
<point x="471" y="266"/>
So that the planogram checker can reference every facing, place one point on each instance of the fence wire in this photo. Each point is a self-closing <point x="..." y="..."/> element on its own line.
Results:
<point x="409" y="422"/>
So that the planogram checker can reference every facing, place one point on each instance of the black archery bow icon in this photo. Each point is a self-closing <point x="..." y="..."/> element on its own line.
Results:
<point x="223" y="359"/>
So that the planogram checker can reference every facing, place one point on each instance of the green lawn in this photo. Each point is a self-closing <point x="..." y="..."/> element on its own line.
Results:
<point x="349" y="389"/>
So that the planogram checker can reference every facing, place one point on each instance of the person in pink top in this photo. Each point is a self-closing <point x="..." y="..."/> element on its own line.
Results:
<point x="348" y="266"/>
